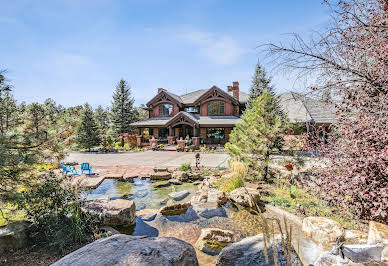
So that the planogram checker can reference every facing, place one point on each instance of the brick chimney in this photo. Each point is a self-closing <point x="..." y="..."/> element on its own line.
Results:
<point x="160" y="90"/>
<point x="230" y="88"/>
<point x="236" y="90"/>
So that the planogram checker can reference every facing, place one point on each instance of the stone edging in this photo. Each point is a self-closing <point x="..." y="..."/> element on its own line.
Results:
<point x="292" y="217"/>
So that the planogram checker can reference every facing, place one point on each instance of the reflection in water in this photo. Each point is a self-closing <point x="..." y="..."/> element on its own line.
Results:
<point x="145" y="193"/>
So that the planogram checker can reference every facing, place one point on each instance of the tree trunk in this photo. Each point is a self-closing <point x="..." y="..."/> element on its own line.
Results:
<point x="122" y="142"/>
<point x="266" y="167"/>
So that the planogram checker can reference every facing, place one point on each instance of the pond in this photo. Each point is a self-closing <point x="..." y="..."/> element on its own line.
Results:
<point x="145" y="193"/>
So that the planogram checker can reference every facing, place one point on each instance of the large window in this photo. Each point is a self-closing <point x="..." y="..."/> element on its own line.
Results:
<point x="216" y="108"/>
<point x="192" y="109"/>
<point x="215" y="133"/>
<point x="165" y="110"/>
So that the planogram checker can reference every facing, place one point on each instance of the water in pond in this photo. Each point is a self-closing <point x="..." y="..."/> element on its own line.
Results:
<point x="145" y="193"/>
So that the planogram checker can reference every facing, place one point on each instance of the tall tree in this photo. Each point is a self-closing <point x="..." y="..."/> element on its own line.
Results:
<point x="260" y="82"/>
<point x="9" y="116"/>
<point x="123" y="112"/>
<point x="87" y="133"/>
<point x="350" y="60"/>
<point x="102" y="118"/>
<point x="35" y="118"/>
<point x="258" y="135"/>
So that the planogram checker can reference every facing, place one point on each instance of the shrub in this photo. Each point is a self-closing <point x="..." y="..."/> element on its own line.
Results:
<point x="55" y="212"/>
<point x="229" y="184"/>
<point x="238" y="168"/>
<point x="185" y="168"/>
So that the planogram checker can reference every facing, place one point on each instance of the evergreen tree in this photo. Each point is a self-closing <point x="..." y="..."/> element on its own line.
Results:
<point x="260" y="82"/>
<point x="8" y="112"/>
<point x="123" y="112"/>
<point x="258" y="135"/>
<point x="87" y="132"/>
<point x="35" y="118"/>
<point x="102" y="118"/>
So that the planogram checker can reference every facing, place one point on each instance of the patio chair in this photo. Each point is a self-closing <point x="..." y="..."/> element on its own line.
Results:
<point x="68" y="169"/>
<point x="87" y="168"/>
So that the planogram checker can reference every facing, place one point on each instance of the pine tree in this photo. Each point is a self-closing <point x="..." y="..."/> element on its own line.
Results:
<point x="258" y="135"/>
<point x="260" y="82"/>
<point x="87" y="132"/>
<point x="123" y="112"/>
<point x="102" y="118"/>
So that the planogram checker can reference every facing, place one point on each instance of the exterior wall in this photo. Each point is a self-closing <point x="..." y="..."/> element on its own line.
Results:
<point x="202" y="133"/>
<point x="175" y="109"/>
<point x="156" y="111"/>
<point x="150" y="113"/>
<point x="177" y="133"/>
<point x="236" y="110"/>
<point x="228" y="130"/>
<point x="156" y="132"/>
<point x="228" y="109"/>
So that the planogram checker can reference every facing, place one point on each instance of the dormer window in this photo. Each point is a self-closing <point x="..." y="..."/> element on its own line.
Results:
<point x="215" y="108"/>
<point x="165" y="110"/>
<point x="192" y="109"/>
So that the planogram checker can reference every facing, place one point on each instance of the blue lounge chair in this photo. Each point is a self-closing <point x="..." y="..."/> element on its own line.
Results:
<point x="68" y="169"/>
<point x="87" y="168"/>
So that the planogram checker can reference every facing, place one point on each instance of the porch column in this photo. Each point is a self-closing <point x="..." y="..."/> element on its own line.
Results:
<point x="195" y="131"/>
<point x="171" y="138"/>
<point x="170" y="133"/>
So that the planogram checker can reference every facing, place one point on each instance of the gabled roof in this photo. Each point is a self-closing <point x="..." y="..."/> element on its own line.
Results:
<point x="301" y="108"/>
<point x="190" y="98"/>
<point x="182" y="118"/>
<point x="215" y="93"/>
<point x="243" y="97"/>
<point x="164" y="96"/>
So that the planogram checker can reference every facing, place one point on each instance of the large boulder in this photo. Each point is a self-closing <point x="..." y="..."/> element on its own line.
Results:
<point x="112" y="212"/>
<point x="175" y="209"/>
<point x="209" y="210"/>
<point x="378" y="234"/>
<point x="13" y="236"/>
<point x="213" y="240"/>
<point x="180" y="175"/>
<point x="250" y="251"/>
<point x="180" y="195"/>
<point x="247" y="197"/>
<point x="214" y="195"/>
<point x="132" y="250"/>
<point x="322" y="230"/>
<point x="160" y="176"/>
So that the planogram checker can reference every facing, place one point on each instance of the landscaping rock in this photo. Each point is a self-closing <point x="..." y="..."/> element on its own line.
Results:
<point x="132" y="250"/>
<point x="110" y="230"/>
<point x="129" y="177"/>
<point x="361" y="253"/>
<point x="179" y="195"/>
<point x="175" y="209"/>
<point x="147" y="214"/>
<point x="180" y="175"/>
<point x="112" y="212"/>
<point x="194" y="176"/>
<point x="213" y="240"/>
<point x="13" y="236"/>
<point x="378" y="233"/>
<point x="160" y="169"/>
<point x="113" y="176"/>
<point x="322" y="230"/>
<point x="250" y="251"/>
<point x="159" y="184"/>
<point x="209" y="210"/>
<point x="160" y="176"/>
<point x="356" y="237"/>
<point x="88" y="182"/>
<point x="241" y="196"/>
<point x="214" y="195"/>
<point x="175" y="181"/>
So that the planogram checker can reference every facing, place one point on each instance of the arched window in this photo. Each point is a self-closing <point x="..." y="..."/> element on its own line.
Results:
<point x="216" y="108"/>
<point x="165" y="110"/>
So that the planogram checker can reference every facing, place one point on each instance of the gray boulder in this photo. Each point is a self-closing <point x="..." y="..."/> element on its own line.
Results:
<point x="13" y="236"/>
<point x="179" y="195"/>
<point x="112" y="212"/>
<point x="250" y="251"/>
<point x="247" y="197"/>
<point x="180" y="175"/>
<point x="132" y="250"/>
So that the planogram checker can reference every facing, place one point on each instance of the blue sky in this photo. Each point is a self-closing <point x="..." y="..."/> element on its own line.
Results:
<point x="76" y="51"/>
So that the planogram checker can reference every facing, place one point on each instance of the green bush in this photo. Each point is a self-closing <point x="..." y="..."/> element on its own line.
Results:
<point x="229" y="184"/>
<point x="55" y="212"/>
<point x="185" y="168"/>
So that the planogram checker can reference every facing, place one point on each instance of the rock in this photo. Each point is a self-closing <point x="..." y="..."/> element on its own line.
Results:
<point x="160" y="169"/>
<point x="214" y="195"/>
<point x="378" y="233"/>
<point x="180" y="175"/>
<point x="194" y="176"/>
<point x="159" y="184"/>
<point x="322" y="230"/>
<point x="175" y="209"/>
<point x="13" y="236"/>
<point x="132" y="250"/>
<point x="147" y="214"/>
<point x="164" y="202"/>
<point x="356" y="237"/>
<point x="175" y="181"/>
<point x="241" y="196"/>
<point x="112" y="212"/>
<point x="179" y="195"/>
<point x="113" y="176"/>
<point x="250" y="251"/>
<point x="328" y="259"/>
<point x="209" y="210"/>
<point x="200" y="196"/>
<point x="141" y="193"/>
<point x="129" y="177"/>
<point x="160" y="176"/>
<point x="88" y="182"/>
<point x="362" y="253"/>
<point x="196" y="183"/>
<point x="109" y="230"/>
<point x="213" y="240"/>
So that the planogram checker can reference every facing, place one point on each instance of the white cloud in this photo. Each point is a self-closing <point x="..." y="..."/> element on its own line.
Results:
<point x="222" y="50"/>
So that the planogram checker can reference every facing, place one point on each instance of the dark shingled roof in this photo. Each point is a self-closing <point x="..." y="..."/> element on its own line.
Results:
<point x="301" y="108"/>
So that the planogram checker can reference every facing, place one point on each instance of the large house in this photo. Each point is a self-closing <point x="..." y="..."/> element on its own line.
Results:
<point x="208" y="116"/>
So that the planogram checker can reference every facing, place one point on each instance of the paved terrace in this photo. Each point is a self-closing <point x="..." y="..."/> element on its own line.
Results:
<point x="148" y="159"/>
